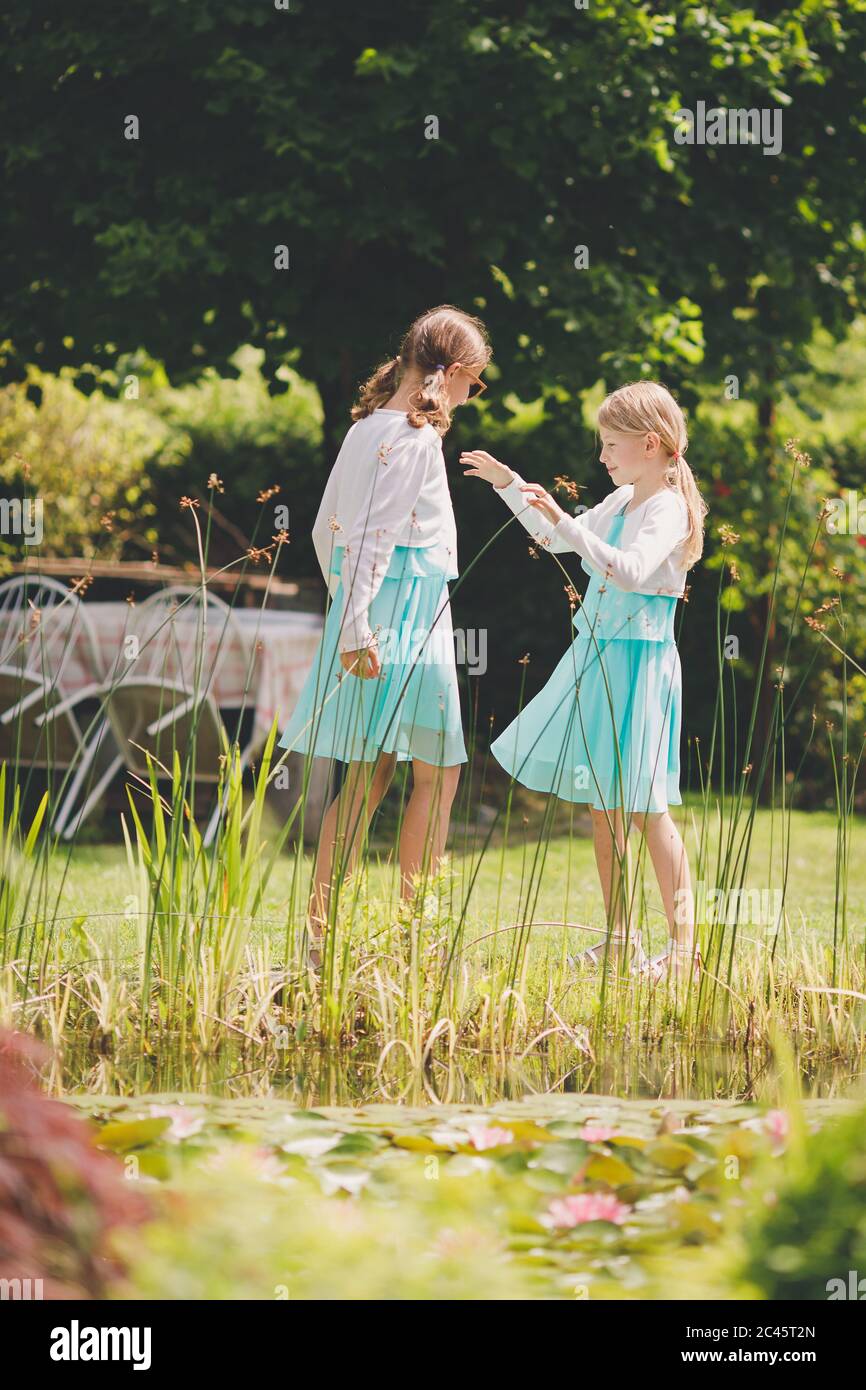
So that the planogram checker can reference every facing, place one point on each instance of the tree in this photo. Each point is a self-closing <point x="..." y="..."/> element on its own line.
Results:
<point x="156" y="155"/>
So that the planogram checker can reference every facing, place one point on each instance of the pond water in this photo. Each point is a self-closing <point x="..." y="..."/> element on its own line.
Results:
<point x="310" y="1077"/>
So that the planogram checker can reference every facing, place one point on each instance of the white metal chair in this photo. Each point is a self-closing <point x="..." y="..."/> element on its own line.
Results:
<point x="159" y="696"/>
<point x="48" y="652"/>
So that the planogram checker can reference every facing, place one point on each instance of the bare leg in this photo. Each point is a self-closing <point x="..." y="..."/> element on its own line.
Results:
<point x="425" y="822"/>
<point x="671" y="865"/>
<point x="343" y="827"/>
<point x="610" y="842"/>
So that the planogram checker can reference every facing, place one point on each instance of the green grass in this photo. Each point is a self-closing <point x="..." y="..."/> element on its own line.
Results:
<point x="97" y="883"/>
<point x="444" y="991"/>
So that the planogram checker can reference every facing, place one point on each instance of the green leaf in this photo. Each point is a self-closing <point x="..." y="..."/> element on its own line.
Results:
<point x="607" y="1168"/>
<point x="122" y="1135"/>
<point x="670" y="1154"/>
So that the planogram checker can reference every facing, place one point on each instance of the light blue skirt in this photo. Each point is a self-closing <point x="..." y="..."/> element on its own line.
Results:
<point x="605" y="729"/>
<point x="412" y="708"/>
<point x="610" y="737"/>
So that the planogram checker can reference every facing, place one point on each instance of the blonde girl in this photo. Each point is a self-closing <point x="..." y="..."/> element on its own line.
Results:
<point x="605" y="729"/>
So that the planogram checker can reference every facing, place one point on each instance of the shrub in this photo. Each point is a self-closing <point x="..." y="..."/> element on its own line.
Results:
<point x="809" y="1228"/>
<point x="91" y="460"/>
<point x="60" y="1199"/>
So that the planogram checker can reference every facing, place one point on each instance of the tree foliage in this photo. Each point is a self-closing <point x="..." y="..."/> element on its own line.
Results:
<point x="307" y="128"/>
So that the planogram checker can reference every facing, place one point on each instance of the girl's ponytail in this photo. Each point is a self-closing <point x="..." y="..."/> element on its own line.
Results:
<point x="428" y="403"/>
<point x="680" y="477"/>
<point x="378" y="389"/>
<point x="435" y="340"/>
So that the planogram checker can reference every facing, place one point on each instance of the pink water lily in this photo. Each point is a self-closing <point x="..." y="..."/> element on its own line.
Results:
<point x="268" y="1165"/>
<point x="587" y="1206"/>
<point x="777" y="1127"/>
<point x="492" y="1138"/>
<point x="184" y="1123"/>
<point x="596" y="1134"/>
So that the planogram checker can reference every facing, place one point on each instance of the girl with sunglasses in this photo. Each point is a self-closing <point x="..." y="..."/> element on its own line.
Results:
<point x="383" y="685"/>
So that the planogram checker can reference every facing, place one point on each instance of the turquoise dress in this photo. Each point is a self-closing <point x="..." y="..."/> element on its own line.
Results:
<point x="412" y="708"/>
<point x="605" y="729"/>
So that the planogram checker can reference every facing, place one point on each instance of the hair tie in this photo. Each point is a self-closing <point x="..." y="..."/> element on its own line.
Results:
<point x="440" y="367"/>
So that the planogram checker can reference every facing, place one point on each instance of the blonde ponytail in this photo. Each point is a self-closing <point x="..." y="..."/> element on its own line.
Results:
<point x="680" y="477"/>
<point x="644" y="407"/>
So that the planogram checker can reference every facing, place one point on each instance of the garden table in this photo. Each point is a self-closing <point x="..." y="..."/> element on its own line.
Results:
<point x="283" y="645"/>
<point x="263" y="673"/>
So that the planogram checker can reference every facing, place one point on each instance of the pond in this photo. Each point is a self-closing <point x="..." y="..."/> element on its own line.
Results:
<point x="310" y="1077"/>
<point x="553" y="1196"/>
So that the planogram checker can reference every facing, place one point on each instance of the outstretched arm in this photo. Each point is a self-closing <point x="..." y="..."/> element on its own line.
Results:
<point x="507" y="484"/>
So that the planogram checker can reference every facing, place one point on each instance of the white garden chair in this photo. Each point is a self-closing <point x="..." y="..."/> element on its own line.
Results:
<point x="48" y="656"/>
<point x="159" y="696"/>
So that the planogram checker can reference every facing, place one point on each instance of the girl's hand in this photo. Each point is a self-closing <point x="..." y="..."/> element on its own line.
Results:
<point x="540" y="498"/>
<point x="363" y="663"/>
<point x="481" y="465"/>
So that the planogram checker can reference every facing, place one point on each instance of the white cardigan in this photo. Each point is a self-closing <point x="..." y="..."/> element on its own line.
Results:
<point x="645" y="562"/>
<point x="388" y="487"/>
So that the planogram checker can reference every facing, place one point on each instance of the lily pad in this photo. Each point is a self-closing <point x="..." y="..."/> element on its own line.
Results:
<point x="670" y="1154"/>
<point x="608" y="1168"/>
<point x="120" y="1136"/>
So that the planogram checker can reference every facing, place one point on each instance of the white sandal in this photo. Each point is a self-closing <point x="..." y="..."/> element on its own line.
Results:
<point x="674" y="961"/>
<point x="594" y="955"/>
<point x="312" y="950"/>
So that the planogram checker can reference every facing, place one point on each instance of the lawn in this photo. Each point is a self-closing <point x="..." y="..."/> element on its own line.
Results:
<point x="559" y="877"/>
<point x="458" y="986"/>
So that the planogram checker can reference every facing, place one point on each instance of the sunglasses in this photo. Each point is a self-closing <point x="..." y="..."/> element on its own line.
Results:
<point x="477" y="384"/>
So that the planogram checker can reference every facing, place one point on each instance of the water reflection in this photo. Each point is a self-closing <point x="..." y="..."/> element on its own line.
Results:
<point x="309" y="1077"/>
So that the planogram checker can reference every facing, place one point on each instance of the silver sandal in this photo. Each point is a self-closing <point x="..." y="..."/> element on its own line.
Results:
<point x="674" y="961"/>
<point x="593" y="957"/>
<point x="312" y="950"/>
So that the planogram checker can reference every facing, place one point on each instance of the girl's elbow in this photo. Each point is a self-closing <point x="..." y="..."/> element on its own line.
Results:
<point x="632" y="579"/>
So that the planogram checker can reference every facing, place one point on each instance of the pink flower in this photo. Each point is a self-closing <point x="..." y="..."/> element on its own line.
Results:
<point x="596" y="1134"/>
<point x="268" y="1166"/>
<point x="184" y="1123"/>
<point x="587" y="1206"/>
<point x="777" y="1128"/>
<point x="490" y="1138"/>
